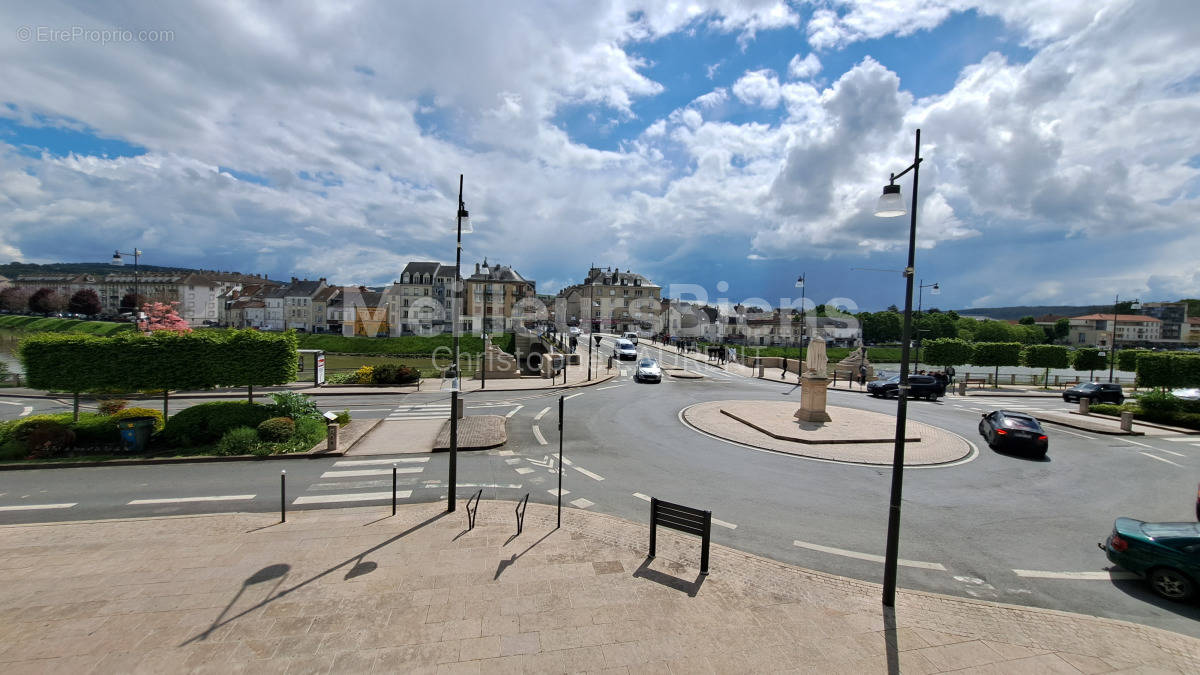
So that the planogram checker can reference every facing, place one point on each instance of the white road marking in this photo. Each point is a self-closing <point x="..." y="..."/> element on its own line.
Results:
<point x="512" y="460"/>
<point x="1074" y="433"/>
<point x="371" y="409"/>
<point x="9" y="403"/>
<point x="538" y="434"/>
<point x="357" y="497"/>
<point x="541" y="414"/>
<point x="176" y="500"/>
<point x="366" y="462"/>
<point x="351" y="485"/>
<point x="1160" y="459"/>
<point x="582" y="503"/>
<point x="32" y="507"/>
<point x="1179" y="439"/>
<point x="25" y="411"/>
<point x="556" y="492"/>
<point x="868" y="556"/>
<point x="641" y="496"/>
<point x="524" y="470"/>
<point x="1084" y="576"/>
<point x="1172" y="452"/>
<point x="611" y="386"/>
<point x="1148" y="447"/>
<point x="587" y="473"/>
<point x="371" y="472"/>
<point x="567" y="398"/>
<point x="514" y="411"/>
<point x="505" y="452"/>
<point x="722" y="523"/>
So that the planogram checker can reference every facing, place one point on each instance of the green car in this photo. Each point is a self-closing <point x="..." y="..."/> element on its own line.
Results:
<point x="1166" y="554"/>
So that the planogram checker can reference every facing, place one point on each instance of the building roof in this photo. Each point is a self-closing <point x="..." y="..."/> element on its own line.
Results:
<point x="325" y="294"/>
<point x="1120" y="317"/>
<point x="420" y="268"/>
<point x="302" y="288"/>
<point x="496" y="273"/>
<point x="611" y="277"/>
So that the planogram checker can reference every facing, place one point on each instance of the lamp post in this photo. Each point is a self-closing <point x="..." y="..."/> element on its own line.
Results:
<point x="591" y="326"/>
<point x="799" y="349"/>
<point x="464" y="225"/>
<point x="1113" y="348"/>
<point x="934" y="289"/>
<point x="117" y="261"/>
<point x="891" y="205"/>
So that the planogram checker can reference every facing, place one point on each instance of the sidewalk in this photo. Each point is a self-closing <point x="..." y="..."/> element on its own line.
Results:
<point x="354" y="590"/>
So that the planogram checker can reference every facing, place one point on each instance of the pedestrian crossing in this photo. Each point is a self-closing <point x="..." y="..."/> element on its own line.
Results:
<point x="439" y="410"/>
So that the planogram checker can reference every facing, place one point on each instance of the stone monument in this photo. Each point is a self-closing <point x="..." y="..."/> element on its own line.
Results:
<point x="849" y="367"/>
<point x="814" y="384"/>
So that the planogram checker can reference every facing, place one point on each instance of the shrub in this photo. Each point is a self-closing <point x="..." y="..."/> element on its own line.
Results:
<point x="238" y="441"/>
<point x="347" y="377"/>
<point x="208" y="422"/>
<point x="140" y="412"/>
<point x="112" y="405"/>
<point x="343" y="418"/>
<point x="309" y="432"/>
<point x="48" y="439"/>
<point x="262" y="450"/>
<point x="95" y="429"/>
<point x="294" y="405"/>
<point x="364" y="375"/>
<point x="277" y="429"/>
<point x="394" y="373"/>
<point x="1158" y="401"/>
<point x="11" y="450"/>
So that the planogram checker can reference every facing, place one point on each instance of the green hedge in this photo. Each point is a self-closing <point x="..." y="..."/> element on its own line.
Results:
<point x="947" y="352"/>
<point x="1166" y="369"/>
<point x="208" y="422"/>
<point x="161" y="360"/>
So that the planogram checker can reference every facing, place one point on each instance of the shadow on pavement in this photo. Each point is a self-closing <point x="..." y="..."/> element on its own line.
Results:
<point x="505" y="564"/>
<point x="690" y="587"/>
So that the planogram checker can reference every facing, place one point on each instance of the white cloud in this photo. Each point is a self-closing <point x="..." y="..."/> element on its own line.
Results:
<point x="802" y="69"/>
<point x="758" y="87"/>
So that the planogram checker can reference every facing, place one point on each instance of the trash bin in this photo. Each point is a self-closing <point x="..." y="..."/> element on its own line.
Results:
<point x="135" y="433"/>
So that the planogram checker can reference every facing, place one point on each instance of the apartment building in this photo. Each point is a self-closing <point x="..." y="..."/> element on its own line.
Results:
<point x="497" y="298"/>
<point x="418" y="302"/>
<point x="614" y="301"/>
<point x="1131" y="329"/>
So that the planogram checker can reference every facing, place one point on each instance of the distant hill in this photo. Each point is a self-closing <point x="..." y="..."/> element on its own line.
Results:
<point x="1005" y="313"/>
<point x="15" y="269"/>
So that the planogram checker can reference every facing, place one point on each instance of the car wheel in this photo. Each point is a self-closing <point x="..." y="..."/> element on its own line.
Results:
<point x="1171" y="584"/>
<point x="1121" y="400"/>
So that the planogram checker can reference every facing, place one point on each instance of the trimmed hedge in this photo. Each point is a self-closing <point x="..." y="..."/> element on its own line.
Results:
<point x="947" y="352"/>
<point x="138" y="412"/>
<point x="276" y="429"/>
<point x="1166" y="369"/>
<point x="394" y="373"/>
<point x="238" y="441"/>
<point x="208" y="422"/>
<point x="161" y="360"/>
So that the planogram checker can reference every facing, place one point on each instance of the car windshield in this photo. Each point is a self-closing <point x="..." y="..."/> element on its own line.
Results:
<point x="624" y="344"/>
<point x="1019" y="422"/>
<point x="647" y="363"/>
<point x="1088" y="387"/>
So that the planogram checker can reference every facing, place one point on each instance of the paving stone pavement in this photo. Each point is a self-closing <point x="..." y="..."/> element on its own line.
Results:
<point x="354" y="590"/>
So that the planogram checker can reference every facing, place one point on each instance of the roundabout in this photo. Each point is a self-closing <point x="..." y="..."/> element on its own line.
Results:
<point x="852" y="436"/>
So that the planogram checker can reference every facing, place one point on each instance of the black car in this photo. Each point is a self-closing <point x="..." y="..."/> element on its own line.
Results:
<point x="919" y="386"/>
<point x="1013" y="430"/>
<point x="1095" y="392"/>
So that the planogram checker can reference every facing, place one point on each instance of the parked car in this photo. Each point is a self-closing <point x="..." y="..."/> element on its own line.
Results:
<point x="1008" y="429"/>
<point x="647" y="371"/>
<point x="1187" y="393"/>
<point x="625" y="350"/>
<point x="1165" y="554"/>
<point x="631" y="336"/>
<point x="1095" y="392"/>
<point x="919" y="386"/>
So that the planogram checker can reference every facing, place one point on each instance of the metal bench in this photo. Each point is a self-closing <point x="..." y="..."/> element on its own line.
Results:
<point x="684" y="519"/>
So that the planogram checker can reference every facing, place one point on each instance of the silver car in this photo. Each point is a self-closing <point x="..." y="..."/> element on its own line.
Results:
<point x="625" y="350"/>
<point x="647" y="371"/>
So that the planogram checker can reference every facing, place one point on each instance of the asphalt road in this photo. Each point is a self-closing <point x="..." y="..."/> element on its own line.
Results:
<point x="998" y="527"/>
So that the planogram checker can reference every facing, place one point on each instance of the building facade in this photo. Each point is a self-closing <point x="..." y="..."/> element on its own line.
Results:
<point x="498" y="298"/>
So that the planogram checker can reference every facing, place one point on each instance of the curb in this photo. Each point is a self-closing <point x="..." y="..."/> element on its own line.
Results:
<point x="1092" y="429"/>
<point x="1153" y="425"/>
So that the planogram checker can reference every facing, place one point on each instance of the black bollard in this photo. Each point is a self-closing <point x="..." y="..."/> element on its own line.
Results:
<point x="283" y="496"/>
<point x="393" y="489"/>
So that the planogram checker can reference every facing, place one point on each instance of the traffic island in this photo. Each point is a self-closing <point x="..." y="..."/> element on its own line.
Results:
<point x="475" y="432"/>
<point x="852" y="436"/>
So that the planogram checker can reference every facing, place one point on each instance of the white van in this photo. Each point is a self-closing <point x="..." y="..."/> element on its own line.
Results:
<point x="632" y="337"/>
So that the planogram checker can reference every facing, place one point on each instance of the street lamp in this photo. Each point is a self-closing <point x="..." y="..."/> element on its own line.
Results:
<point x="117" y="261"/>
<point x="891" y="205"/>
<point x="800" y="347"/>
<point x="934" y="289"/>
<point x="1112" y="364"/>
<point x="464" y="225"/>
<point x="591" y="326"/>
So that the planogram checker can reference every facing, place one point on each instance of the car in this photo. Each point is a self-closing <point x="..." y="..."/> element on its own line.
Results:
<point x="919" y="386"/>
<point x="1166" y="554"/>
<point x="631" y="336"/>
<point x="1095" y="392"/>
<point x="1009" y="429"/>
<point x="647" y="371"/>
<point x="575" y="331"/>
<point x="625" y="350"/>
<point x="1187" y="393"/>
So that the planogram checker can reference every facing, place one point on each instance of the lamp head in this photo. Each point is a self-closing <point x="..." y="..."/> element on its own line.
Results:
<point x="464" y="220"/>
<point x="890" y="203"/>
<point x="116" y="259"/>
<point x="935" y="290"/>
<point x="800" y="282"/>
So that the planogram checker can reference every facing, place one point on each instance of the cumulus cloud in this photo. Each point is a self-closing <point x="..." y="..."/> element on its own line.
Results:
<point x="758" y="87"/>
<point x="804" y="68"/>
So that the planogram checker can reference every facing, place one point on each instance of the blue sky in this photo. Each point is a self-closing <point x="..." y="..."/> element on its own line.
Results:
<point x="743" y="142"/>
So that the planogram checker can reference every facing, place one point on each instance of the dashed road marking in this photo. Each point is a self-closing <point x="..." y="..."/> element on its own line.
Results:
<point x="25" y="411"/>
<point x="1083" y="576"/>
<point x="356" y="497"/>
<point x="371" y="472"/>
<point x="524" y="470"/>
<point x="1172" y="452"/>
<point x="556" y="492"/>
<point x="1159" y="459"/>
<point x="33" y="507"/>
<point x="366" y="462"/>
<point x="177" y="500"/>
<point x="567" y="398"/>
<point x="1075" y="433"/>
<point x="541" y="414"/>
<point x="611" y="386"/>
<point x="514" y="411"/>
<point x="582" y="503"/>
<point x="589" y="474"/>
<point x="641" y="496"/>
<point x="538" y="434"/>
<point x="868" y="556"/>
<point x="722" y="523"/>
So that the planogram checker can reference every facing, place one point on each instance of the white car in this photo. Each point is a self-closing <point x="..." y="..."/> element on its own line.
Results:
<point x="647" y="371"/>
<point x="625" y="350"/>
<point x="632" y="337"/>
<point x="574" y="330"/>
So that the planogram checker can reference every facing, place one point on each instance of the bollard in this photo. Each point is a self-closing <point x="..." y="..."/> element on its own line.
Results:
<point x="283" y="496"/>
<point x="393" y="488"/>
<point x="1085" y="405"/>
<point x="1126" y="420"/>
<point x="331" y="437"/>
<point x="962" y="387"/>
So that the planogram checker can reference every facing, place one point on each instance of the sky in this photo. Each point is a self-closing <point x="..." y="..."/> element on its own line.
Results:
<point x="723" y="148"/>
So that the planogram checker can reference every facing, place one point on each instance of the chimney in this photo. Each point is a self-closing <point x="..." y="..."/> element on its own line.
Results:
<point x="476" y="268"/>
<point x="322" y="279"/>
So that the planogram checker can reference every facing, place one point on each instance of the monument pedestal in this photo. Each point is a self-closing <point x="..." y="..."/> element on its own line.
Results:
<point x="813" y="393"/>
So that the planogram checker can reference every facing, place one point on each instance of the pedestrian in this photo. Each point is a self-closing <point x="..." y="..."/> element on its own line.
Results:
<point x="950" y="374"/>
<point x="862" y="376"/>
<point x="783" y="371"/>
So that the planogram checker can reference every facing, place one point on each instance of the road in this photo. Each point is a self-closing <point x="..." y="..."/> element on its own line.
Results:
<point x="998" y="527"/>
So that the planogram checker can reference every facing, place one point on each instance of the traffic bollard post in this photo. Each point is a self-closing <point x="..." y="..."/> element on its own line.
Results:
<point x="283" y="496"/>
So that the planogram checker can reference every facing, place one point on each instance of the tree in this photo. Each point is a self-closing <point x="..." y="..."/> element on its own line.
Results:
<point x="1028" y="335"/>
<point x="162" y="316"/>
<point x="130" y="302"/>
<point x="1089" y="359"/>
<point x="947" y="352"/>
<point x="14" y="299"/>
<point x="1046" y="356"/>
<point x="996" y="354"/>
<point x="1062" y="329"/>
<point x="994" y="331"/>
<point x="44" y="301"/>
<point x="85" y="301"/>
<point x="1027" y="321"/>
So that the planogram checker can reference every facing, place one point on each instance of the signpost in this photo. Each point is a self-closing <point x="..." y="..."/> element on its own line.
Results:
<point x="320" y="372"/>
